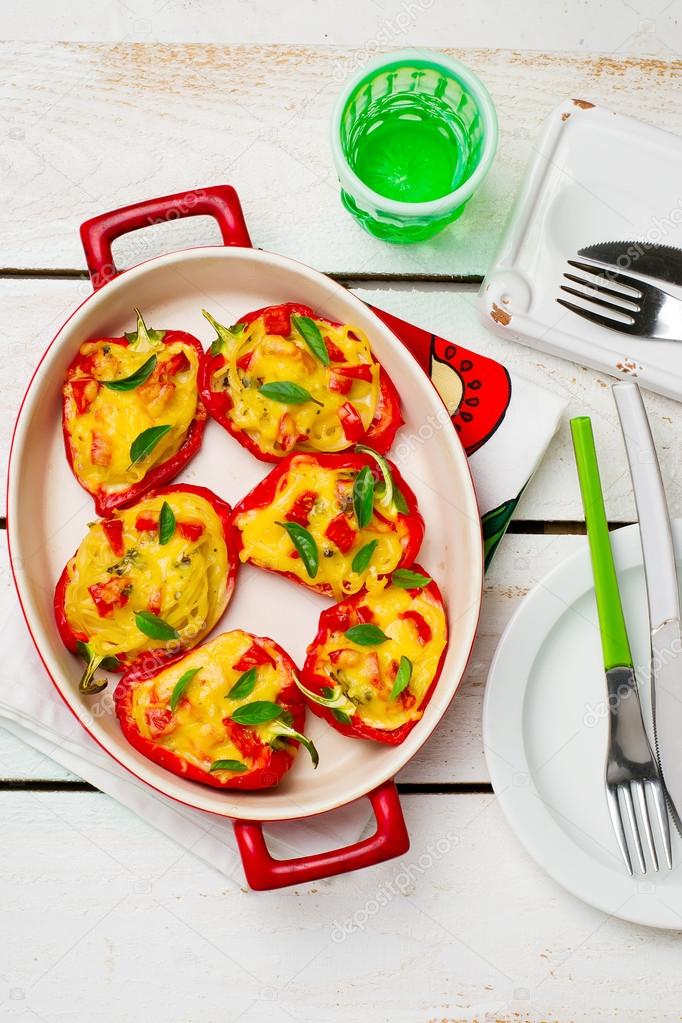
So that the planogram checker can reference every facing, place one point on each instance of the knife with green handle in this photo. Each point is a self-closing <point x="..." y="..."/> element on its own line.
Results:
<point x="614" y="637"/>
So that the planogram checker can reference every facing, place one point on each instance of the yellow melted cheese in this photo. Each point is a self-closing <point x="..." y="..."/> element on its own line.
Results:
<point x="274" y="426"/>
<point x="118" y="417"/>
<point x="355" y="671"/>
<point x="189" y="576"/>
<point x="196" y="730"/>
<point x="267" y="544"/>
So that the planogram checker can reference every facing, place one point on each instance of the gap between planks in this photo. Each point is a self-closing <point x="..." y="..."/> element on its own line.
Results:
<point x="405" y="788"/>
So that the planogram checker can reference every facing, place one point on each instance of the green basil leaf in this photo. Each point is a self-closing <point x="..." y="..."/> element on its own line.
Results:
<point x="145" y="442"/>
<point x="310" y="332"/>
<point x="135" y="379"/>
<point x="362" y="559"/>
<point x="363" y="496"/>
<point x="153" y="626"/>
<point x="228" y="765"/>
<point x="286" y="392"/>
<point x="407" y="580"/>
<point x="166" y="523"/>
<point x="181" y="686"/>
<point x="402" y="678"/>
<point x="243" y="686"/>
<point x="304" y="542"/>
<point x="366" y="634"/>
<point x="399" y="501"/>
<point x="257" y="713"/>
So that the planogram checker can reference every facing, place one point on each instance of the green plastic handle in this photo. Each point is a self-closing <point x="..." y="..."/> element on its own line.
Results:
<point x="614" y="637"/>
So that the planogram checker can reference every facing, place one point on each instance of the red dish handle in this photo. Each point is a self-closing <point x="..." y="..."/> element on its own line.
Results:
<point x="390" y="839"/>
<point x="218" y="201"/>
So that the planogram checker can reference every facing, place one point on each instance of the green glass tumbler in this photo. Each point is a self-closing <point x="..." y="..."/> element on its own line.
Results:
<point x="413" y="136"/>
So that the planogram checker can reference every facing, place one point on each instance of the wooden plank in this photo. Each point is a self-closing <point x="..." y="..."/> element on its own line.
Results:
<point x="32" y="310"/>
<point x="454" y="753"/>
<point x="605" y="26"/>
<point x="464" y="928"/>
<point x="180" y="116"/>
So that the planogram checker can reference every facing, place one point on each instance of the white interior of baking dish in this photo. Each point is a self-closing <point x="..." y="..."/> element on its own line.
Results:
<point x="48" y="513"/>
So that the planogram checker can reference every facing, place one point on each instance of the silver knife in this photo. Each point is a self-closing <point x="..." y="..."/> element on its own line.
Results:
<point x="661" y="587"/>
<point x="664" y="262"/>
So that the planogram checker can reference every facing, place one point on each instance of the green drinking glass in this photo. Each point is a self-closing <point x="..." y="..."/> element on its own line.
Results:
<point x="413" y="136"/>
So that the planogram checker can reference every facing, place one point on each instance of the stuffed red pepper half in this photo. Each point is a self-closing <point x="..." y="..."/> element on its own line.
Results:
<point x="374" y="664"/>
<point x="148" y="582"/>
<point x="330" y="522"/>
<point x="228" y="714"/>
<point x="131" y="413"/>
<point x="285" y="379"/>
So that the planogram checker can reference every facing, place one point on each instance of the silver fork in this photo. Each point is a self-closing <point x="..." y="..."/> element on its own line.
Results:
<point x="630" y="766"/>
<point x="627" y="304"/>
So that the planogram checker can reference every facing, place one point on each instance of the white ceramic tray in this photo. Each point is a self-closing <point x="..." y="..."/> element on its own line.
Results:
<point x="596" y="176"/>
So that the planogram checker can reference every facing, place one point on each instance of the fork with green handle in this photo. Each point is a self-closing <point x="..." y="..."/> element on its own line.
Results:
<point x="631" y="768"/>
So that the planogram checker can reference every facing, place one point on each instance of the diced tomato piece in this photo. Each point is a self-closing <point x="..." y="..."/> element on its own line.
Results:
<point x="277" y="321"/>
<point x="154" y="602"/>
<point x="190" y="530"/>
<point x="333" y="351"/>
<point x="423" y="628"/>
<point x="338" y="619"/>
<point x="146" y="523"/>
<point x="370" y="668"/>
<point x="351" y="422"/>
<point x="84" y="390"/>
<point x="156" y="393"/>
<point x="106" y="596"/>
<point x="364" y="614"/>
<point x="88" y="363"/>
<point x="158" y="719"/>
<point x="341" y="533"/>
<point x="100" y="450"/>
<point x="253" y="657"/>
<point x="294" y="555"/>
<point x="407" y="699"/>
<point x="176" y="364"/>
<point x="245" y="739"/>
<point x="302" y="507"/>
<point x="360" y="372"/>
<point x="286" y="432"/>
<point x="339" y="384"/>
<point x="244" y="361"/>
<point x="113" y="530"/>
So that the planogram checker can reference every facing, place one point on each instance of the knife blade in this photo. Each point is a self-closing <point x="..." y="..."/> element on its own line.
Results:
<point x="662" y="589"/>
<point x="663" y="262"/>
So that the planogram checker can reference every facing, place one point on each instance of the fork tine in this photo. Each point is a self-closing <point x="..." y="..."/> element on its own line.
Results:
<point x="617" y="821"/>
<point x="640" y="798"/>
<point x="608" y="274"/>
<point x="602" y="290"/>
<point x="603" y="321"/>
<point x="630" y="811"/>
<point x="596" y="298"/>
<point x="662" y="816"/>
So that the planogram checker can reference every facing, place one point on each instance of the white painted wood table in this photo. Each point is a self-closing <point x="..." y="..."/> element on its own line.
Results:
<point x="102" y="918"/>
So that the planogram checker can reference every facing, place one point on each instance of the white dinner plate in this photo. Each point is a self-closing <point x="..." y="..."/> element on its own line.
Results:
<point x="545" y="732"/>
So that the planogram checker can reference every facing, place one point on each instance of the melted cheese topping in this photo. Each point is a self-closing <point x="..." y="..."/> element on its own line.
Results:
<point x="366" y="674"/>
<point x="267" y="544"/>
<point x="100" y="437"/>
<point x="277" y="428"/>
<point x="184" y="581"/>
<point x="196" y="730"/>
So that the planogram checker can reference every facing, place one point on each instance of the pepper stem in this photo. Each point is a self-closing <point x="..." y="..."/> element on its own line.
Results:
<point x="143" y="339"/>
<point x="226" y="335"/>
<point x="337" y="699"/>
<point x="284" y="729"/>
<point x="87" y="684"/>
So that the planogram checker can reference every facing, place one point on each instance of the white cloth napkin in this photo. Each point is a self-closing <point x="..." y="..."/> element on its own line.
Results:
<point x="34" y="712"/>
